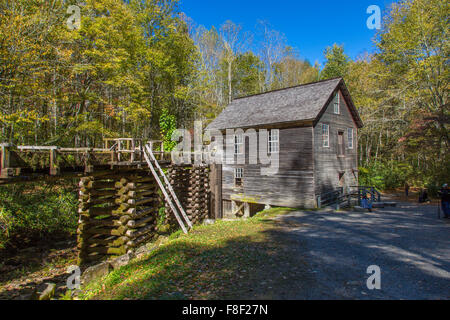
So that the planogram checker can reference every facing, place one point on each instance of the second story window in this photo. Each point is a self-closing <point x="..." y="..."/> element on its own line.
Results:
<point x="239" y="144"/>
<point x="337" y="104"/>
<point x="274" y="141"/>
<point x="350" y="138"/>
<point x="326" y="135"/>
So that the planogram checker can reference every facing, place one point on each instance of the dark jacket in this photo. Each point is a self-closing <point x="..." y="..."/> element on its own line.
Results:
<point x="445" y="195"/>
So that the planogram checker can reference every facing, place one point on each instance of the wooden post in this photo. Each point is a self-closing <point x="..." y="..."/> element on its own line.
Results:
<point x="246" y="210"/>
<point x="88" y="167"/>
<point x="133" y="153"/>
<point x="114" y="158"/>
<point x="54" y="169"/>
<point x="119" y="150"/>
<point x="216" y="191"/>
<point x="141" y="152"/>
<point x="5" y="167"/>
<point x="234" y="208"/>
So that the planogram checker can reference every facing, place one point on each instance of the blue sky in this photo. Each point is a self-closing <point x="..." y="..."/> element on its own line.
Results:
<point x="310" y="26"/>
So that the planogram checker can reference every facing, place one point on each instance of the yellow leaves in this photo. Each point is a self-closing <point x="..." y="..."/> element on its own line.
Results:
<point x="88" y="79"/>
<point x="22" y="117"/>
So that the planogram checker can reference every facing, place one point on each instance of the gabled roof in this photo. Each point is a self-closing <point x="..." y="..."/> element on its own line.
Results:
<point x="301" y="103"/>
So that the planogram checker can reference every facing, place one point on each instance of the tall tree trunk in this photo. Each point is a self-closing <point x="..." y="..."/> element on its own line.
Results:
<point x="230" y="86"/>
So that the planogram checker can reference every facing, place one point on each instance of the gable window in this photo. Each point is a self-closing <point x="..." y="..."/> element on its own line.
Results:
<point x="337" y="104"/>
<point x="239" y="177"/>
<point x="350" y="138"/>
<point x="238" y="144"/>
<point x="274" y="141"/>
<point x="326" y="135"/>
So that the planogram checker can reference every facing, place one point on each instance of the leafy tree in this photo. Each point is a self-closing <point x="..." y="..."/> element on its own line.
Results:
<point x="248" y="75"/>
<point x="292" y="71"/>
<point x="337" y="63"/>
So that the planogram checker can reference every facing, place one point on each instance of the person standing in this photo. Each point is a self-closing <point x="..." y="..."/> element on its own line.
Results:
<point x="423" y="197"/>
<point x="407" y="189"/>
<point x="445" y="200"/>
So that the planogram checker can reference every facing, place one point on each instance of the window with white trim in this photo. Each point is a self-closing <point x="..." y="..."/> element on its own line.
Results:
<point x="326" y="135"/>
<point x="239" y="144"/>
<point x="350" y="137"/>
<point x="238" y="177"/>
<point x="337" y="104"/>
<point x="274" y="141"/>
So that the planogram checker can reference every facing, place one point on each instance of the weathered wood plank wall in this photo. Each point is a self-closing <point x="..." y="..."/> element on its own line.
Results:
<point x="292" y="186"/>
<point x="328" y="164"/>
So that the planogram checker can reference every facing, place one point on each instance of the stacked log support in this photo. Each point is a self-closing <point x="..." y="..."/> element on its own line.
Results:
<point x="119" y="210"/>
<point x="117" y="215"/>
<point x="191" y="184"/>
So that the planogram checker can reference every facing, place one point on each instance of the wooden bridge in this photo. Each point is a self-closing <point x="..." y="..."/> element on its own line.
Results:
<point x="122" y="186"/>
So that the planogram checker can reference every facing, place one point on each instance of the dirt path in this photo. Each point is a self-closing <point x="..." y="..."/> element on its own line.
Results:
<point x="33" y="267"/>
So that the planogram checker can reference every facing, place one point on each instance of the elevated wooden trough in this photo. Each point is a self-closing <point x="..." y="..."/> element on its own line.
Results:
<point x="28" y="163"/>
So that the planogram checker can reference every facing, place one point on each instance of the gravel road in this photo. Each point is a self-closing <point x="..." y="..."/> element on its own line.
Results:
<point x="409" y="244"/>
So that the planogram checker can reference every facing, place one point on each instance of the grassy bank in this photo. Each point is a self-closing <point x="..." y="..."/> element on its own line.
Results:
<point x="223" y="261"/>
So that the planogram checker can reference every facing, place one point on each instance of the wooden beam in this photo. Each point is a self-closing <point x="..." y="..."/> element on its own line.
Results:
<point x="246" y="210"/>
<point x="216" y="191"/>
<point x="54" y="169"/>
<point x="5" y="167"/>
<point x="88" y="167"/>
<point x="36" y="148"/>
<point x="236" y="209"/>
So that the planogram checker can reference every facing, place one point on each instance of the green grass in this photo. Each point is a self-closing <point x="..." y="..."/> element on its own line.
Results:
<point x="211" y="262"/>
<point x="274" y="212"/>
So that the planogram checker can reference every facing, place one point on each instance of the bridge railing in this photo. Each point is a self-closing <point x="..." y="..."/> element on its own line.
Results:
<point x="375" y="195"/>
<point x="15" y="161"/>
<point x="341" y="198"/>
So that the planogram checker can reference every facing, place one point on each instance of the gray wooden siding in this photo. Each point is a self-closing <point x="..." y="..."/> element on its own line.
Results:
<point x="293" y="186"/>
<point x="326" y="160"/>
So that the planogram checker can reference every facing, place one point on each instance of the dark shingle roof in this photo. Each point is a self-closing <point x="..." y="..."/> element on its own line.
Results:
<point x="304" y="102"/>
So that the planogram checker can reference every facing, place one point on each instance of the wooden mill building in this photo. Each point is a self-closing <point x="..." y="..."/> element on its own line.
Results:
<point x="314" y="130"/>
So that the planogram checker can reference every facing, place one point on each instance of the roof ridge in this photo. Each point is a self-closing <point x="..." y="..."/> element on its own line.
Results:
<point x="287" y="88"/>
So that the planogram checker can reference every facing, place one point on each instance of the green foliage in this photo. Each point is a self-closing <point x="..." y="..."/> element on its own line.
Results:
<point x="389" y="175"/>
<point x="37" y="211"/>
<point x="402" y="95"/>
<point x="168" y="125"/>
<point x="337" y="63"/>
<point x="161" y="220"/>
<point x="127" y="61"/>
<point x="247" y="72"/>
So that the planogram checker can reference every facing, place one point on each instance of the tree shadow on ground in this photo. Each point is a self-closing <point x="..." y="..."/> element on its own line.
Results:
<point x="409" y="244"/>
<point x="266" y="265"/>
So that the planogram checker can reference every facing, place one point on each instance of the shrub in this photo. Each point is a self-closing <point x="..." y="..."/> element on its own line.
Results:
<point x="385" y="175"/>
<point x="394" y="174"/>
